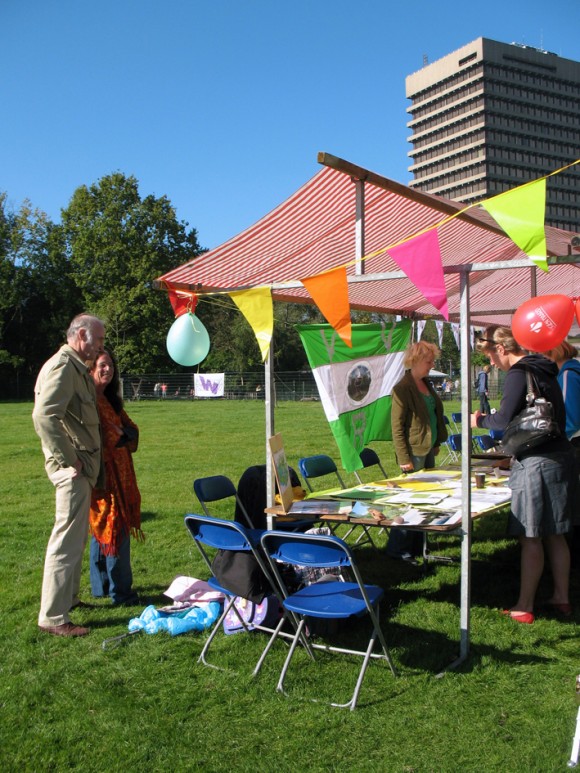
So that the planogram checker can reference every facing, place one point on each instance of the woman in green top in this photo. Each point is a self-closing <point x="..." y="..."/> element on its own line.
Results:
<point x="418" y="430"/>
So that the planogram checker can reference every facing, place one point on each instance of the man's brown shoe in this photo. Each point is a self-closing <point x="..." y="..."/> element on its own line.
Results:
<point x="66" y="629"/>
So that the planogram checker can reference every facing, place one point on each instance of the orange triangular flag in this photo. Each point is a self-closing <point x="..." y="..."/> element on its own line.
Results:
<point x="329" y="291"/>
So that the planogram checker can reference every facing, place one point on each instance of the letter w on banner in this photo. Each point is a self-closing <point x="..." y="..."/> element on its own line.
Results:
<point x="355" y="384"/>
<point x="208" y="384"/>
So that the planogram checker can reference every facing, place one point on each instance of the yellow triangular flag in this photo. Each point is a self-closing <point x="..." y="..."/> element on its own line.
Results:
<point x="256" y="306"/>
<point x="521" y="213"/>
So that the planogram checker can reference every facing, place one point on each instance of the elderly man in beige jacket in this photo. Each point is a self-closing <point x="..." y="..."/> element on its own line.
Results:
<point x="66" y="420"/>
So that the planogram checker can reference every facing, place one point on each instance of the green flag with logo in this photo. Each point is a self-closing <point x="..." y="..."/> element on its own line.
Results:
<point x="355" y="384"/>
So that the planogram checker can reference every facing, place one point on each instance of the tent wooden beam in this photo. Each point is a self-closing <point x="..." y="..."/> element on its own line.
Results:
<point x="445" y="206"/>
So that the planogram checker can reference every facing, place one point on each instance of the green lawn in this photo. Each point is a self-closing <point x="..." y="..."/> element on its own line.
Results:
<point x="148" y="705"/>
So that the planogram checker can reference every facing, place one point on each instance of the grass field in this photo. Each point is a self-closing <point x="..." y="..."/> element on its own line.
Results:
<point x="147" y="705"/>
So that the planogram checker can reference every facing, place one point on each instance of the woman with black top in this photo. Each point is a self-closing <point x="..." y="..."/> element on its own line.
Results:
<point x="543" y="480"/>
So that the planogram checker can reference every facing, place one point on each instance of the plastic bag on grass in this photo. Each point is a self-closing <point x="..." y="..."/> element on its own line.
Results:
<point x="196" y="618"/>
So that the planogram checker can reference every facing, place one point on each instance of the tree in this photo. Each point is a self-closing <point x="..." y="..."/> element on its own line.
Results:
<point x="117" y="244"/>
<point x="37" y="296"/>
<point x="450" y="359"/>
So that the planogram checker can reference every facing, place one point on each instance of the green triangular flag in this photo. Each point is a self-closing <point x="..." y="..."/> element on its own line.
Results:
<point x="521" y="213"/>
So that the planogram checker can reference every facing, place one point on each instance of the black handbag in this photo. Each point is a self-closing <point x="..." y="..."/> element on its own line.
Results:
<point x="533" y="426"/>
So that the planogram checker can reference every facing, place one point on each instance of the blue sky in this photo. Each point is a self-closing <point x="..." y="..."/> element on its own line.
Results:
<point x="222" y="106"/>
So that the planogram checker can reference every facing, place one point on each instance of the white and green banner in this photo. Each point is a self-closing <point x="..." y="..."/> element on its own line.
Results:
<point x="355" y="384"/>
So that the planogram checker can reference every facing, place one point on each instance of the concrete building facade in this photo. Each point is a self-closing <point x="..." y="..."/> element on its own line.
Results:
<point x="491" y="116"/>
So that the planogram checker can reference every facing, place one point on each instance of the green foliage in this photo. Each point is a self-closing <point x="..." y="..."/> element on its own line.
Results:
<point x="148" y="705"/>
<point x="118" y="243"/>
<point x="450" y="359"/>
<point x="37" y="294"/>
<point x="233" y="343"/>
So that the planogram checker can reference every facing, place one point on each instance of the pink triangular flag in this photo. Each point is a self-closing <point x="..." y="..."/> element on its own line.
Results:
<point x="420" y="259"/>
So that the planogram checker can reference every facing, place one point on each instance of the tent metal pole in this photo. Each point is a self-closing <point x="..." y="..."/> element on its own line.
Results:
<point x="269" y="400"/>
<point x="359" y="267"/>
<point x="466" y="523"/>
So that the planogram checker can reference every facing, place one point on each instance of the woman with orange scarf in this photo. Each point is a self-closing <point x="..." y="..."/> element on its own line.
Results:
<point x="115" y="512"/>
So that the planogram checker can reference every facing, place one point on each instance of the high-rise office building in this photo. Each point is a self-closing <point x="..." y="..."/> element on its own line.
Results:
<point x="492" y="116"/>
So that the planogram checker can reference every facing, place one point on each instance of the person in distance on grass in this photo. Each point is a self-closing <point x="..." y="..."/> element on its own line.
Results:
<point x="418" y="430"/>
<point x="543" y="480"/>
<point x="67" y="422"/>
<point x="483" y="389"/>
<point x="115" y="512"/>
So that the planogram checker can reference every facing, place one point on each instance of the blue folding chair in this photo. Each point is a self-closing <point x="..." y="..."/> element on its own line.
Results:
<point x="456" y="419"/>
<point x="332" y="600"/>
<point x="318" y="466"/>
<point x="496" y="434"/>
<point x="451" y="454"/>
<point x="455" y="443"/>
<point x="485" y="442"/>
<point x="370" y="458"/>
<point x="209" y="532"/>
<point x="215" y="488"/>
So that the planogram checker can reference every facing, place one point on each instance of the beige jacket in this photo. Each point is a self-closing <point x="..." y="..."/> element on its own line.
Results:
<point x="65" y="415"/>
<point x="410" y="420"/>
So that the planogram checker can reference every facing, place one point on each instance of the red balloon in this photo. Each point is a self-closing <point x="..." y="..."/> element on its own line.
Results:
<point x="543" y="322"/>
<point x="578" y="310"/>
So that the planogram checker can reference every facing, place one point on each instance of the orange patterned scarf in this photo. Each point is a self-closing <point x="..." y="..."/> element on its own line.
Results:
<point x="116" y="509"/>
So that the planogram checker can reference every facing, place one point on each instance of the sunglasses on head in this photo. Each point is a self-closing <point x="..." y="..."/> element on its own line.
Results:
<point x="487" y="341"/>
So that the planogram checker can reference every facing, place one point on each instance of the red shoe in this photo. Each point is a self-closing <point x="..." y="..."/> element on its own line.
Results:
<point x="519" y="617"/>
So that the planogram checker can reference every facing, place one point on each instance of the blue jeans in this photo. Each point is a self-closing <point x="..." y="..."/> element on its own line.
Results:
<point x="403" y="541"/>
<point x="484" y="406"/>
<point x="112" y="575"/>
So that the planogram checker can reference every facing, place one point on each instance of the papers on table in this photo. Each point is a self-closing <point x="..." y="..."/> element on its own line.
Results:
<point x="370" y="491"/>
<point x="414" y="517"/>
<point x="427" y="498"/>
<point x="411" y="497"/>
<point x="446" y="519"/>
<point x="481" y="499"/>
<point x="319" y="507"/>
<point x="431" y="477"/>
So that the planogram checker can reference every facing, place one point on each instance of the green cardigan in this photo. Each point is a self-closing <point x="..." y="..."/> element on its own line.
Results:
<point x="410" y="420"/>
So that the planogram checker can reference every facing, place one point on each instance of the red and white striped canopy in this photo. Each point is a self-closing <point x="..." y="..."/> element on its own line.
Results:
<point x="314" y="231"/>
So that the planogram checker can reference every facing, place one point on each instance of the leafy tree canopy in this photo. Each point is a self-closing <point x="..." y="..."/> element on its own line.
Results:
<point x="36" y="292"/>
<point x="118" y="243"/>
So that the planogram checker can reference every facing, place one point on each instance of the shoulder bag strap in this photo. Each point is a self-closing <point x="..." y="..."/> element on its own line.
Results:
<point x="532" y="393"/>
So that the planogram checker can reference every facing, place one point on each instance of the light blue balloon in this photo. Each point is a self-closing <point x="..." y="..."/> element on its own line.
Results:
<point x="188" y="340"/>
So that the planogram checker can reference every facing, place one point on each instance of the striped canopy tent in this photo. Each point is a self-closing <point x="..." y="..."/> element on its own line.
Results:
<point x="345" y="213"/>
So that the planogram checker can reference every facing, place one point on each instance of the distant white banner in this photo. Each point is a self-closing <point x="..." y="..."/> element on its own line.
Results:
<point x="209" y="384"/>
